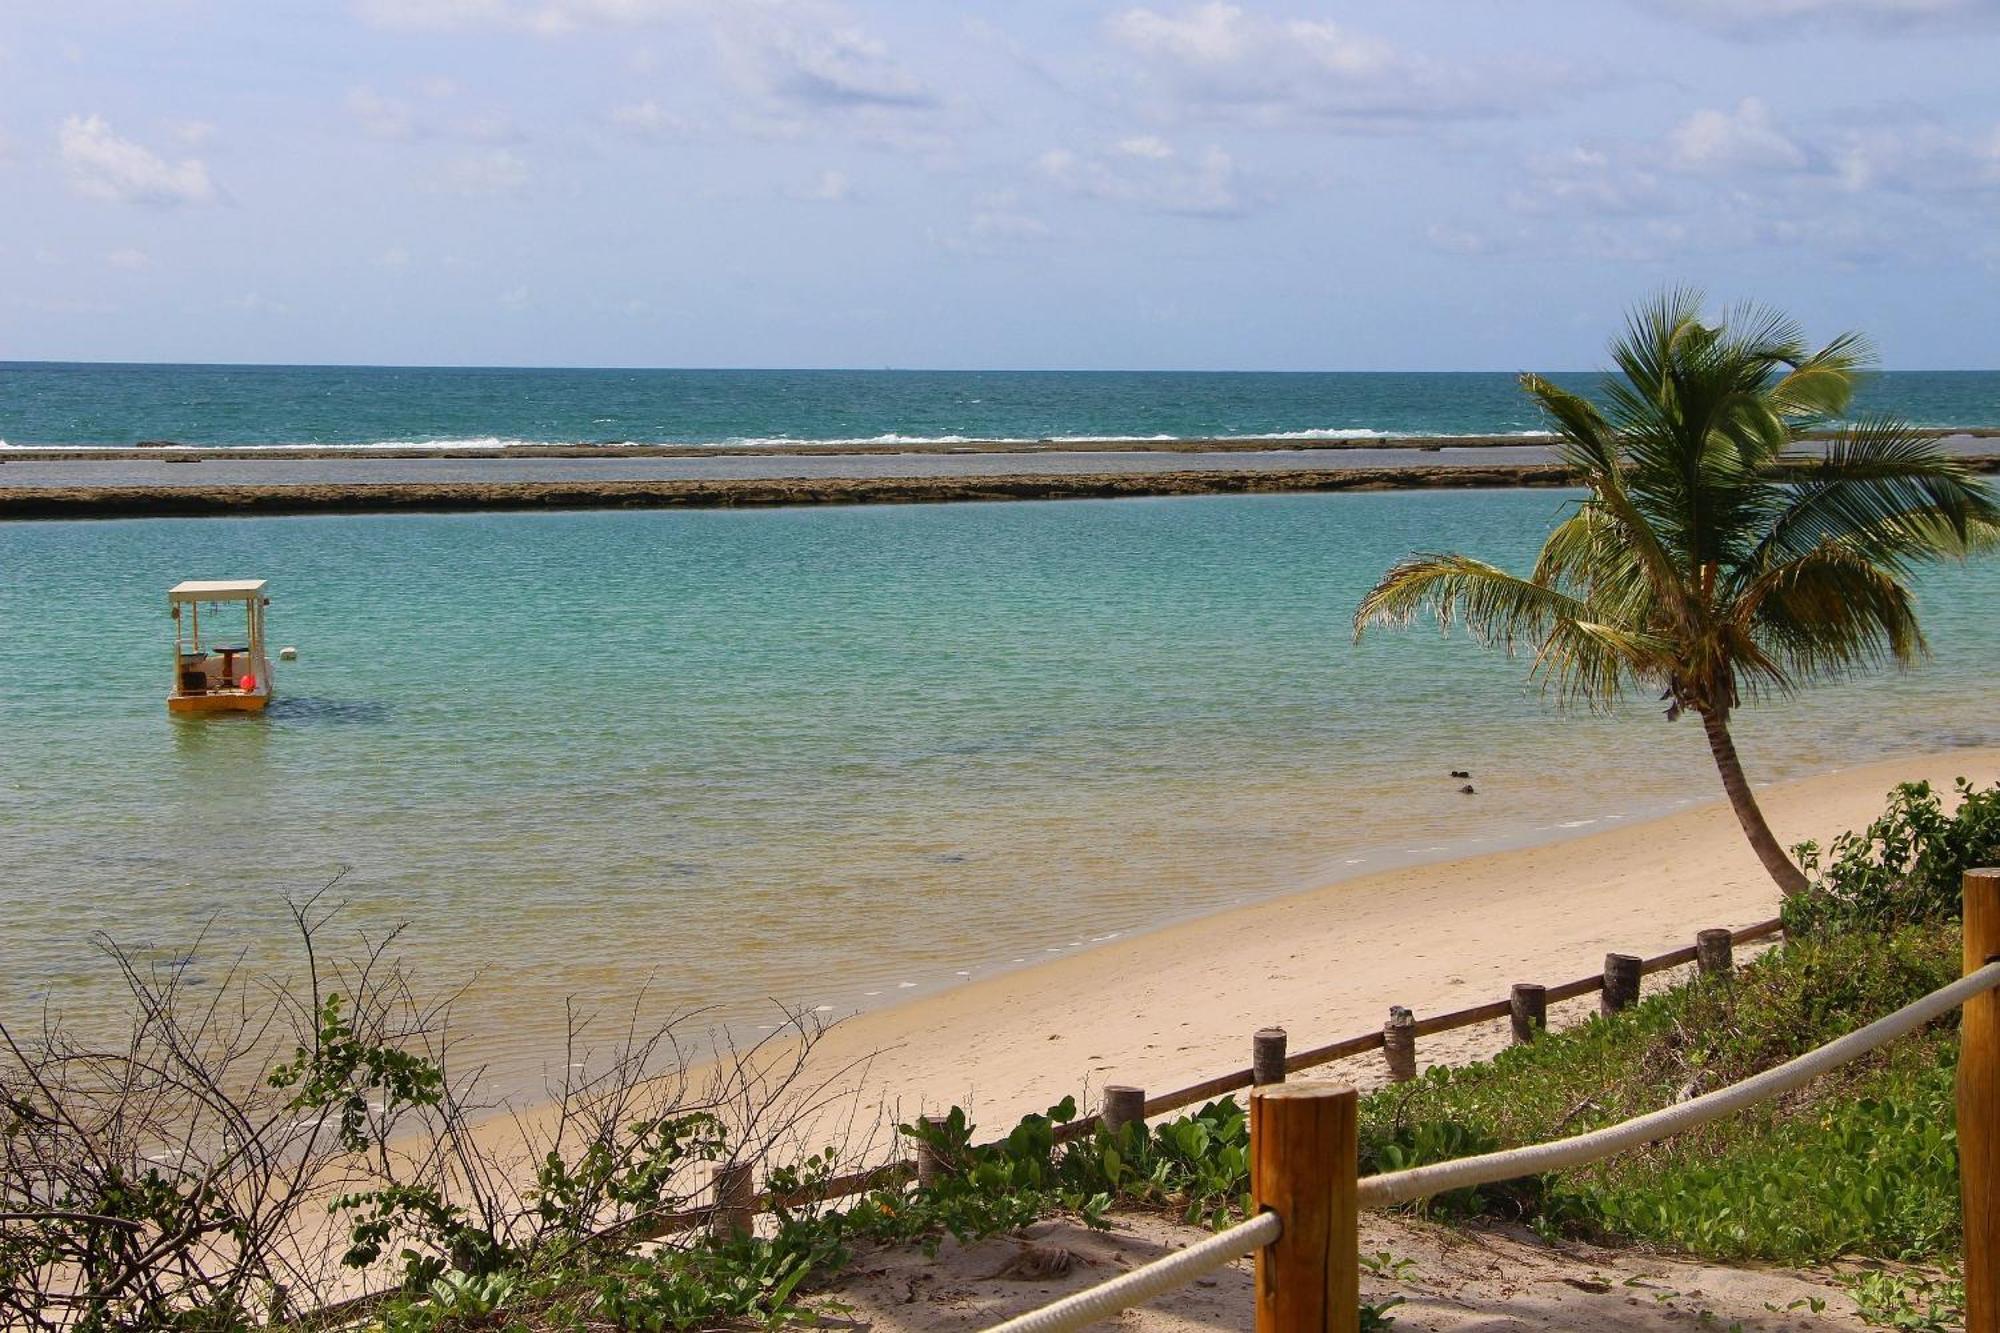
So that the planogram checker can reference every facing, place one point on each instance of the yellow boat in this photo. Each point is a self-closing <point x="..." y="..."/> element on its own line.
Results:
<point x="231" y="673"/>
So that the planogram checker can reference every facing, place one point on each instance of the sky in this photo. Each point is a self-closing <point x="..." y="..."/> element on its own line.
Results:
<point x="1431" y="184"/>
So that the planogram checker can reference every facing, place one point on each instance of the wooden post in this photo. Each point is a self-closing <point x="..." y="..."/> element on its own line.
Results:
<point x="1304" y="1156"/>
<point x="1979" y="1108"/>
<point x="1715" y="953"/>
<point x="930" y="1167"/>
<point x="1267" y="1056"/>
<point x="1123" y="1106"/>
<point x="1621" y="981"/>
<point x="1529" y="1006"/>
<point x="735" y="1201"/>
<point x="1399" y="1044"/>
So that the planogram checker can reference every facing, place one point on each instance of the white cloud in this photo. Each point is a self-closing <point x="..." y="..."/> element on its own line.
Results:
<point x="381" y="117"/>
<point x="1006" y="226"/>
<point x="194" y="133"/>
<point x="808" y="55"/>
<point x="394" y="257"/>
<point x="648" y="120"/>
<point x="499" y="172"/>
<point x="1781" y="18"/>
<point x="1220" y="59"/>
<point x="1457" y="240"/>
<point x="1592" y="181"/>
<point x="1916" y="158"/>
<point x="385" y="116"/>
<point x="1746" y="139"/>
<point x="514" y="298"/>
<point x="434" y="14"/>
<point x="1887" y="188"/>
<point x="103" y="166"/>
<point x="1146" y="145"/>
<point x="256" y="303"/>
<point x="830" y="187"/>
<point x="129" y="259"/>
<point x="1151" y="174"/>
<point x="999" y="224"/>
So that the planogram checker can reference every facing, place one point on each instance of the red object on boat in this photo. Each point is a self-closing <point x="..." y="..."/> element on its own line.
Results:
<point x="247" y="683"/>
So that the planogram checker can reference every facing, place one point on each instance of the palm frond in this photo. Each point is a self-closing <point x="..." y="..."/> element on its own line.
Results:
<point x="1828" y="612"/>
<point x="1576" y="654"/>
<point x="1494" y="606"/>
<point x="1584" y="440"/>
<point x="1711" y="557"/>
<point x="1822" y="385"/>
<point x="1590" y="661"/>
<point x="1885" y="491"/>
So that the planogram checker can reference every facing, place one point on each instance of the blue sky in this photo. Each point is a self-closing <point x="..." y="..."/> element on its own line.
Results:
<point x="1435" y="184"/>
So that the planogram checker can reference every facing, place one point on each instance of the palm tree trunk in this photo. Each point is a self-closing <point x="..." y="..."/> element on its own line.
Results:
<point x="1783" y="869"/>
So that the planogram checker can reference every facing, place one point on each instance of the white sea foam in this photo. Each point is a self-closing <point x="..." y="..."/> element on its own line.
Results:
<point x="473" y="442"/>
<point x="890" y="439"/>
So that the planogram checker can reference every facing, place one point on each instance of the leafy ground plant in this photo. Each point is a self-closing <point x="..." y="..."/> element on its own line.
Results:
<point x="1916" y="1302"/>
<point x="1905" y="868"/>
<point x="1861" y="1162"/>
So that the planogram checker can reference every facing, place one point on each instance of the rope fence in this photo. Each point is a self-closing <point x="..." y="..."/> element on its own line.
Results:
<point x="1125" y="1104"/>
<point x="737" y="1202"/>
<point x="1421" y="1182"/>
<point x="1304" y="1154"/>
<point x="1155" y="1279"/>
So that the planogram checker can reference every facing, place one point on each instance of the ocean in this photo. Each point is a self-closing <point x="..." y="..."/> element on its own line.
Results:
<point x="46" y="404"/>
<point x="826" y="758"/>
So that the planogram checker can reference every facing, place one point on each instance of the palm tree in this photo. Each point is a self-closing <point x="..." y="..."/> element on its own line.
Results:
<point x="1711" y="561"/>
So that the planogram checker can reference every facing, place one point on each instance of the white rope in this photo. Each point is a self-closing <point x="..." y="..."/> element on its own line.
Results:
<point x="1423" y="1181"/>
<point x="1143" y="1284"/>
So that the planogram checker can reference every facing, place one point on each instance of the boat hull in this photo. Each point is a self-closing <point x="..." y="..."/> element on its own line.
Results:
<point x="217" y="703"/>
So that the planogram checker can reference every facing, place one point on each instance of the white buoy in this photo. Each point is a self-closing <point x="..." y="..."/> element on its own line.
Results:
<point x="288" y="654"/>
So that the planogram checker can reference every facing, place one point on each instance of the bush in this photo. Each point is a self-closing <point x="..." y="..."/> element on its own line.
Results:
<point x="1906" y="868"/>
<point x="1862" y="1161"/>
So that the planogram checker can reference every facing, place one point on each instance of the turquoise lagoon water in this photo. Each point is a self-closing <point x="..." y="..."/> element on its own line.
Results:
<point x="830" y="757"/>
<point x="47" y="403"/>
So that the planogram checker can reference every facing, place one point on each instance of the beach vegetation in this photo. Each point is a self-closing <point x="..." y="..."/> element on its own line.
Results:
<point x="1860" y="1162"/>
<point x="1906" y="867"/>
<point x="1720" y="554"/>
<point x="208" y="1173"/>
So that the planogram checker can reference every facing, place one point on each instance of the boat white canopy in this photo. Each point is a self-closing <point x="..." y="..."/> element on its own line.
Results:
<point x="216" y="590"/>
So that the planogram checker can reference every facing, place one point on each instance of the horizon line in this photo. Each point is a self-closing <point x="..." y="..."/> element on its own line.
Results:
<point x="869" y="370"/>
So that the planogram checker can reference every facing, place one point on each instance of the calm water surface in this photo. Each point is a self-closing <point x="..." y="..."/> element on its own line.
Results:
<point x="827" y="756"/>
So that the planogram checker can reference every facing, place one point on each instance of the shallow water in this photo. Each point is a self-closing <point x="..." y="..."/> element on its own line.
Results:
<point x="831" y="757"/>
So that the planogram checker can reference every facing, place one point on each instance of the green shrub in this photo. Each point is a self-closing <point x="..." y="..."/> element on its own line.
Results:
<point x="1905" y="868"/>
<point x="1873" y="1171"/>
<point x="1863" y="1160"/>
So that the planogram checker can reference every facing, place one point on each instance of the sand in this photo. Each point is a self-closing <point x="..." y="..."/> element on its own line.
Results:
<point x="1169" y="1008"/>
<point x="1465" y="1280"/>
<point x="1177" y="1005"/>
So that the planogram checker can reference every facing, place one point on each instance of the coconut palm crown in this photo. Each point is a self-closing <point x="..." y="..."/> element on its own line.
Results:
<point x="1713" y="561"/>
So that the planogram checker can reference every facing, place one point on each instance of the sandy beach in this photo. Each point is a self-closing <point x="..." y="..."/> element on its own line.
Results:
<point x="1168" y="1008"/>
